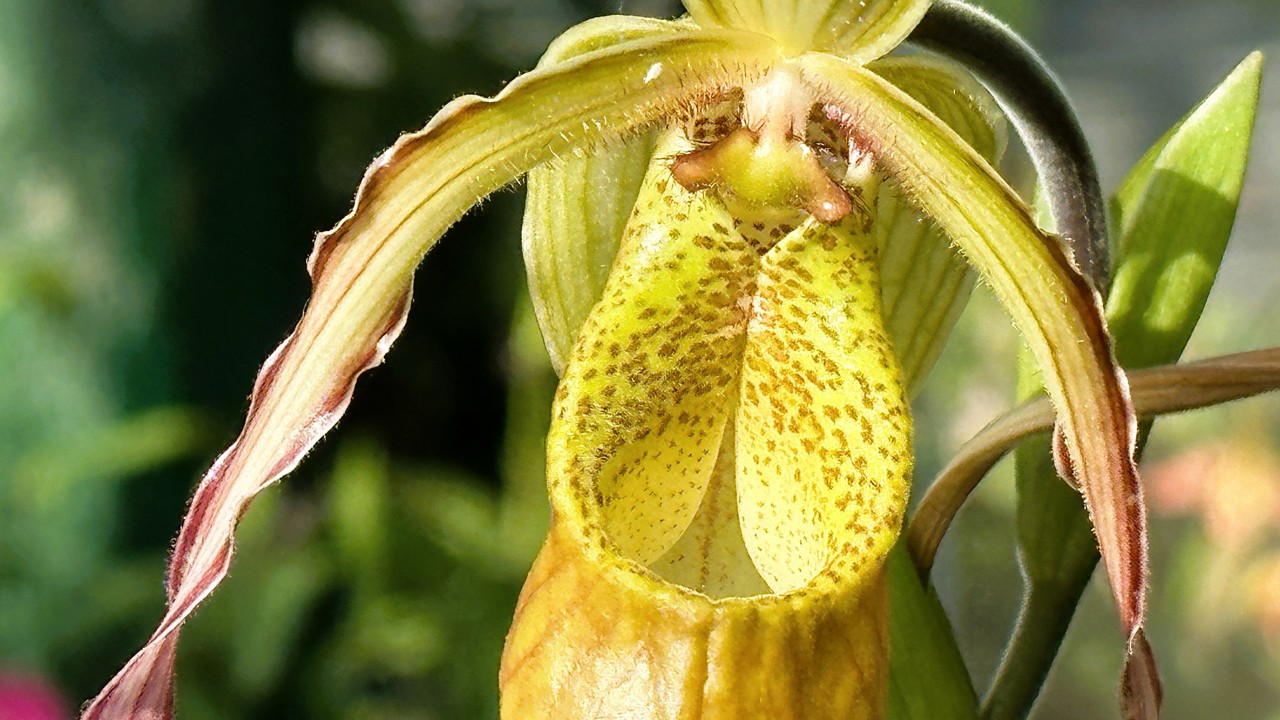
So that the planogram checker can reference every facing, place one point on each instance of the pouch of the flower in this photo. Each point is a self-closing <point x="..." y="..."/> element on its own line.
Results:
<point x="728" y="466"/>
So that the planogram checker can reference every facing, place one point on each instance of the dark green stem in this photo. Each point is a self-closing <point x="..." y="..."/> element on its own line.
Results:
<point x="1042" y="624"/>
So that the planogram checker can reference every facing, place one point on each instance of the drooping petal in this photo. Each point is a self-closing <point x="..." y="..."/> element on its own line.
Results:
<point x="860" y="30"/>
<point x="953" y="95"/>
<point x="1156" y="391"/>
<point x="1058" y="313"/>
<point x="361" y="275"/>
<point x="926" y="281"/>
<point x="1173" y="216"/>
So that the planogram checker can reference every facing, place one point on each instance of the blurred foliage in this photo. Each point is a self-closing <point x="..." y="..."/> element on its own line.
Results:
<point x="167" y="163"/>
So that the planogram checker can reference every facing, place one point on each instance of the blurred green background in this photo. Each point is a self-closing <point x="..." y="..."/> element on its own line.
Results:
<point x="166" y="164"/>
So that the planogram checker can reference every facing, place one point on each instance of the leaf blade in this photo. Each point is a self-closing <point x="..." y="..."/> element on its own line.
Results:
<point x="927" y="676"/>
<point x="1175" y="229"/>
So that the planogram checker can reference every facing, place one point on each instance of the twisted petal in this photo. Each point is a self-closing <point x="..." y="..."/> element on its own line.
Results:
<point x="861" y="30"/>
<point x="361" y="275"/>
<point x="1056" y="310"/>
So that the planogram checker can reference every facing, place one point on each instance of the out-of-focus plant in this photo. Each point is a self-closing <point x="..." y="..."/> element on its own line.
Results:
<point x="739" y="241"/>
<point x="77" y="370"/>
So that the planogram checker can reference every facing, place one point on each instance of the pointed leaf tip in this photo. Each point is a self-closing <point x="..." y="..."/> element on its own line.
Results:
<point x="1175" y="211"/>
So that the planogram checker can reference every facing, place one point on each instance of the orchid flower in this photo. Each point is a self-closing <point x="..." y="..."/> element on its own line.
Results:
<point x="749" y="233"/>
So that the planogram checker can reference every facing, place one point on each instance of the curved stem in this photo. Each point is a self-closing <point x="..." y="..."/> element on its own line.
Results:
<point x="1042" y="115"/>
<point x="1156" y="391"/>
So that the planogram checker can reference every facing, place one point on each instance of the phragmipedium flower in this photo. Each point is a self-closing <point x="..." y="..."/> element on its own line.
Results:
<point x="731" y="447"/>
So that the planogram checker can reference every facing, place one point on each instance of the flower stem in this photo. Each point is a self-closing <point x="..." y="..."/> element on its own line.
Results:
<point x="1038" y="635"/>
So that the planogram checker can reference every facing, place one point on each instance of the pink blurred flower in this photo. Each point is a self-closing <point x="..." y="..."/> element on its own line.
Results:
<point x="1233" y="487"/>
<point x="1264" y="593"/>
<point x="29" y="697"/>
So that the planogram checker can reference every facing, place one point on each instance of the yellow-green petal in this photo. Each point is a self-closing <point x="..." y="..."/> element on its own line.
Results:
<point x="926" y="281"/>
<point x="823" y="446"/>
<point x="861" y="30"/>
<point x="1057" y="312"/>
<point x="577" y="206"/>
<point x="644" y="402"/>
<point x="1173" y="216"/>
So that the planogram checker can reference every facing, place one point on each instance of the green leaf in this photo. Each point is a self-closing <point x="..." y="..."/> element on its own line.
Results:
<point x="860" y="30"/>
<point x="1178" y="209"/>
<point x="926" y="281"/>
<point x="1175" y="212"/>
<point x="927" y="676"/>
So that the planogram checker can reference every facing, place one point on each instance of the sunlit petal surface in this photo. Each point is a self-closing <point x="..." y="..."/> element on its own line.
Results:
<point x="860" y="30"/>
